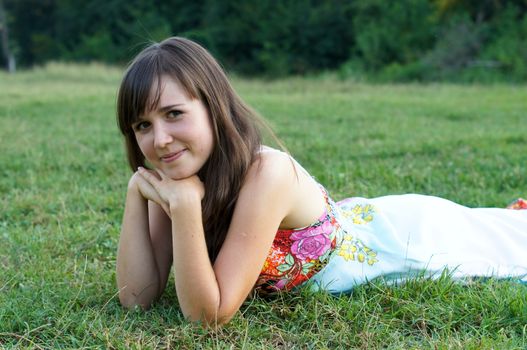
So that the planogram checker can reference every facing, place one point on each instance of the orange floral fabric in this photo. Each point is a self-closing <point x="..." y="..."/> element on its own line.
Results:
<point x="298" y="254"/>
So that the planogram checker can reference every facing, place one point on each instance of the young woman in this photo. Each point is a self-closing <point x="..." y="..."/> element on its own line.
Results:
<point x="231" y="215"/>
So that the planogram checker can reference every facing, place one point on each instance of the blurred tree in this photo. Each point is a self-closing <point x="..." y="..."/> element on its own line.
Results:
<point x="183" y="16"/>
<point x="479" y="10"/>
<point x="506" y="48"/>
<point x="33" y="29"/>
<point x="392" y="32"/>
<point x="480" y="40"/>
<point x="234" y="28"/>
<point x="457" y="47"/>
<point x="84" y="30"/>
<point x="280" y="36"/>
<point x="108" y="30"/>
<point x="405" y="39"/>
<point x="9" y="58"/>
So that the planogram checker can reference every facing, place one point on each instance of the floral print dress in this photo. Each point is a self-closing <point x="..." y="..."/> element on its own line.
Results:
<point x="396" y="237"/>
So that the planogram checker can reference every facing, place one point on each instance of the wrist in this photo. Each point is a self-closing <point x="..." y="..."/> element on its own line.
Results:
<point x="184" y="205"/>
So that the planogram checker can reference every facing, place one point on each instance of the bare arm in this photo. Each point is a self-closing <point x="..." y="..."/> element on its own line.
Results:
<point x="144" y="255"/>
<point x="213" y="294"/>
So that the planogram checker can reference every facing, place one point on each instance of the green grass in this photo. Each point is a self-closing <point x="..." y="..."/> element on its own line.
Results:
<point x="63" y="178"/>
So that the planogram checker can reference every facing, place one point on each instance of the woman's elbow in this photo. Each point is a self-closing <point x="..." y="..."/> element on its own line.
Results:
<point x="131" y="300"/>
<point x="212" y="319"/>
<point x="213" y="323"/>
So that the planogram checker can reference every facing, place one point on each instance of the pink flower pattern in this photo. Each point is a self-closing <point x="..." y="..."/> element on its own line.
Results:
<point x="311" y="243"/>
<point x="298" y="254"/>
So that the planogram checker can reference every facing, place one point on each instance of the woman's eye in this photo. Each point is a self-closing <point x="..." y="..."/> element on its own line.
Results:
<point x="173" y="114"/>
<point x="141" y="126"/>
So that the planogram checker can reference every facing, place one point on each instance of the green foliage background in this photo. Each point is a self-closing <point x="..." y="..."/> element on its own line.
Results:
<point x="418" y="40"/>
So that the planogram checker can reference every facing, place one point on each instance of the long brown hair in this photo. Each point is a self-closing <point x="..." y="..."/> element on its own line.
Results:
<point x="235" y="126"/>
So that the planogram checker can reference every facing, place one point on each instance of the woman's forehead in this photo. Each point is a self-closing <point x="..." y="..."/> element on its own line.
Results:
<point x="166" y="91"/>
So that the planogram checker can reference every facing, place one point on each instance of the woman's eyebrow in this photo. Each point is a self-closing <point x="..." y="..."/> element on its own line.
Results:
<point x="137" y="120"/>
<point x="168" y="108"/>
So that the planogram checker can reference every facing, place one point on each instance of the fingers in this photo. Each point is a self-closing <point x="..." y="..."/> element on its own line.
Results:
<point x="147" y="189"/>
<point x="155" y="188"/>
<point x="149" y="192"/>
<point x="169" y="191"/>
<point x="162" y="174"/>
<point x="148" y="176"/>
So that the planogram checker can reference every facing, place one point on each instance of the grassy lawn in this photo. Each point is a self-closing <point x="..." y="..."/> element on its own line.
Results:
<point x="63" y="179"/>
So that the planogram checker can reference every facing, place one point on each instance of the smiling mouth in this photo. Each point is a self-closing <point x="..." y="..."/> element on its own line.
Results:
<point x="170" y="157"/>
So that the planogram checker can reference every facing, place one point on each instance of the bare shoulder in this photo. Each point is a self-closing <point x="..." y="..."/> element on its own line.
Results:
<point x="281" y="178"/>
<point x="272" y="168"/>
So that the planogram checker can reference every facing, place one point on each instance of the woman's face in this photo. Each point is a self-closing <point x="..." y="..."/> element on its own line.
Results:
<point x="176" y="137"/>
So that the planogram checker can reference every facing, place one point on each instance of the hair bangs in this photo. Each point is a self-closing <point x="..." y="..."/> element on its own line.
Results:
<point x="135" y="90"/>
<point x="171" y="65"/>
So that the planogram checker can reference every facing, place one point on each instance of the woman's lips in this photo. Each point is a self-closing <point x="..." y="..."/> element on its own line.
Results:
<point x="170" y="157"/>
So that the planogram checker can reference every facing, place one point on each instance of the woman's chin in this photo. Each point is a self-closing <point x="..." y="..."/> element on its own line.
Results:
<point x="179" y="175"/>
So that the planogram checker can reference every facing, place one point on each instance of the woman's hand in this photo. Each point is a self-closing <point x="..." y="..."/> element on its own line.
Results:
<point x="171" y="195"/>
<point x="146" y="190"/>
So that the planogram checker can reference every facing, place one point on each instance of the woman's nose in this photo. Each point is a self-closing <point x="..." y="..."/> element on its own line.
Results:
<point x="162" y="136"/>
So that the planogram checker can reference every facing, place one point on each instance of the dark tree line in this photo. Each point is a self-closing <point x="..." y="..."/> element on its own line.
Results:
<point x="7" y="55"/>
<point x="391" y="40"/>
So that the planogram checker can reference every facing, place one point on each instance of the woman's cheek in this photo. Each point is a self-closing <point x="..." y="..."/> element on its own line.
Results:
<point x="147" y="151"/>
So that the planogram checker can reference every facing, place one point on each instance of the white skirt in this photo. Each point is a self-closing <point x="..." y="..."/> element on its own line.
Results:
<point x="399" y="236"/>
